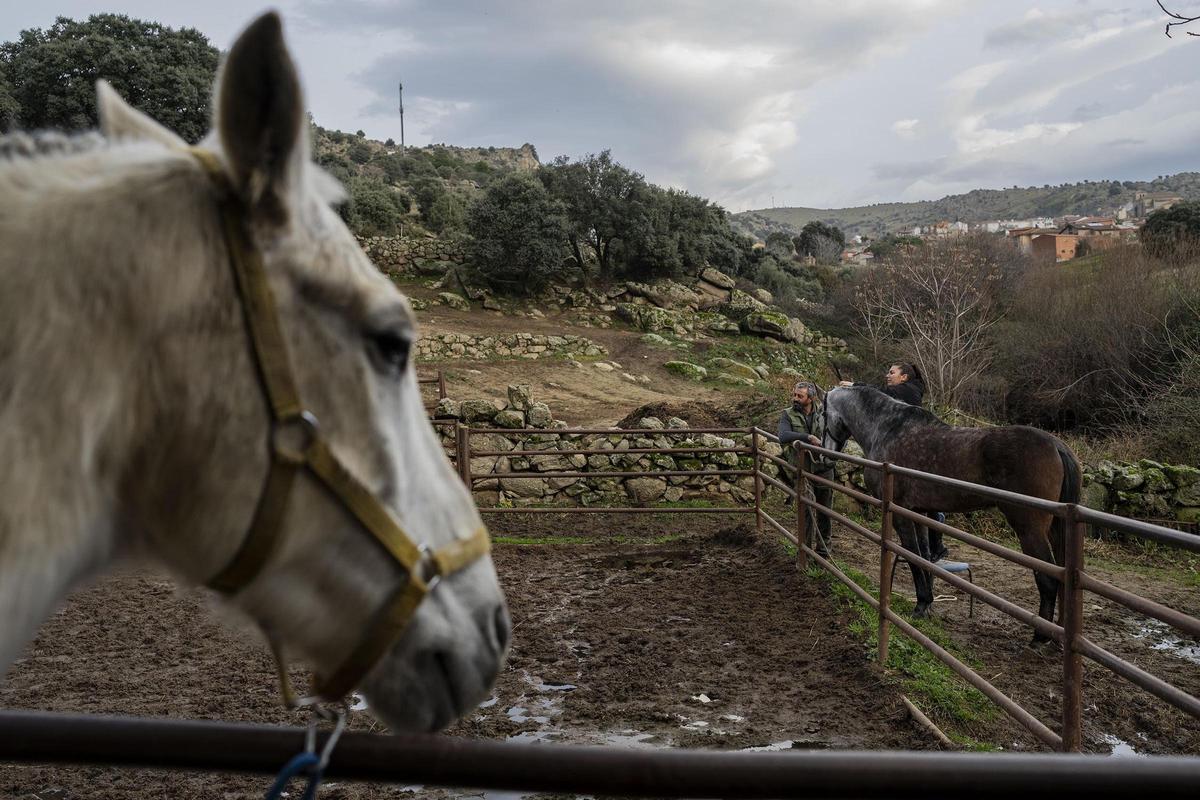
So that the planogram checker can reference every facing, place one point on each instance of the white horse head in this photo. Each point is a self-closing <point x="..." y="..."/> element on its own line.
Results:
<point x="132" y="417"/>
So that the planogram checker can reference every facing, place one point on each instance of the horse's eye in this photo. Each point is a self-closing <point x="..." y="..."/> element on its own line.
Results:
<point x="389" y="351"/>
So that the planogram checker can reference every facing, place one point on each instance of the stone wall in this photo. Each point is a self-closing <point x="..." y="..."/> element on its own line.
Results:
<point x="515" y="480"/>
<point x="402" y="255"/>
<point x="447" y="346"/>
<point x="1144" y="490"/>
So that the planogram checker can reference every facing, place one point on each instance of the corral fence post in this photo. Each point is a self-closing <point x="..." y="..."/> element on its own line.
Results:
<point x="1072" y="622"/>
<point x="441" y="378"/>
<point x="462" y="452"/>
<point x="758" y="485"/>
<point x="887" y="560"/>
<point x="801" y="509"/>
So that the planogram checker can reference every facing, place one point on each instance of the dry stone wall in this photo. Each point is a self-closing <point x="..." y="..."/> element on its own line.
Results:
<point x="401" y="255"/>
<point x="450" y="346"/>
<point x="516" y="481"/>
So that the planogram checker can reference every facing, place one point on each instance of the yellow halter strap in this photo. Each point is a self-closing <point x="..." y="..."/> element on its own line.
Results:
<point x="297" y="445"/>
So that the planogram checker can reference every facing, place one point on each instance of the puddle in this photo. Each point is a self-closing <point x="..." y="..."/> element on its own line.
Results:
<point x="1163" y="637"/>
<point x="552" y="686"/>
<point x="520" y="714"/>
<point x="533" y="737"/>
<point x="631" y="739"/>
<point x="773" y="747"/>
<point x="1119" y="746"/>
<point x="359" y="703"/>
<point x="491" y="701"/>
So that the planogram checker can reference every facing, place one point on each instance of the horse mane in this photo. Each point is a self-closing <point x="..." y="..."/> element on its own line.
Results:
<point x="48" y="144"/>
<point x="878" y="402"/>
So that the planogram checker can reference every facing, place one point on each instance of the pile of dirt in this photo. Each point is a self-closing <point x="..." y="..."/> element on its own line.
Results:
<point x="760" y="410"/>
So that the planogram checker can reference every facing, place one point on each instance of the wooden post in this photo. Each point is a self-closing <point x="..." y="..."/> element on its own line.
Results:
<point x="462" y="441"/>
<point x="1072" y="622"/>
<point x="441" y="385"/>
<point x="758" y="487"/>
<point x="887" y="561"/>
<point x="801" y="509"/>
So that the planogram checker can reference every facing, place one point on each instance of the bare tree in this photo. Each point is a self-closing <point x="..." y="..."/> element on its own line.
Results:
<point x="938" y="303"/>
<point x="1179" y="20"/>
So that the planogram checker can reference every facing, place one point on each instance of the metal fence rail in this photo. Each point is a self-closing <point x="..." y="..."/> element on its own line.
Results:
<point x="611" y="771"/>
<point x="1075" y="581"/>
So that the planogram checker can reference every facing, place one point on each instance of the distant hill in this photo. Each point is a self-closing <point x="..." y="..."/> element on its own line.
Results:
<point x="979" y="205"/>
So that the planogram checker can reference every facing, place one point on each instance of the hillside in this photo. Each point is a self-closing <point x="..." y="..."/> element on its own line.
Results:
<point x="1089" y="197"/>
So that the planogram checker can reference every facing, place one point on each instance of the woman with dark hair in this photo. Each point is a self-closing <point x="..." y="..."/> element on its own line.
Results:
<point x="904" y="383"/>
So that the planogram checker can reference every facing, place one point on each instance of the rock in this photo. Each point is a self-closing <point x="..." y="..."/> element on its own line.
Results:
<point x="446" y="408"/>
<point x="736" y="380"/>
<point x="716" y="323"/>
<point x="763" y="296"/>
<point x="418" y="304"/>
<point x="524" y="487"/>
<point x="509" y="418"/>
<point x="1095" y="495"/>
<point x="477" y="411"/>
<point x="763" y="371"/>
<point x="673" y="494"/>
<point x="455" y="301"/>
<point x="741" y="304"/>
<point x="688" y="370"/>
<point x="1182" y="475"/>
<point x="677" y="422"/>
<point x="1155" y="480"/>
<point x="795" y="331"/>
<point x="1127" y="479"/>
<point x="716" y="278"/>
<point x="492" y="304"/>
<point x="652" y="423"/>
<point x="650" y="318"/>
<point x="644" y="491"/>
<point x="655" y="340"/>
<point x="518" y="396"/>
<point x="765" y="323"/>
<point x="665" y="294"/>
<point x="1187" y="495"/>
<point x="603" y="366"/>
<point x="539" y="415"/>
<point x="1188" y="514"/>
<point x="736" y="368"/>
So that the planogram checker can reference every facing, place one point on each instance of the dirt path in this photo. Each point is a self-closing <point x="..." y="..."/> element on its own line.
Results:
<point x="622" y="629"/>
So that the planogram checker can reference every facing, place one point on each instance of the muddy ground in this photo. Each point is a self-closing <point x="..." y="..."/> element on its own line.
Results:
<point x="652" y="632"/>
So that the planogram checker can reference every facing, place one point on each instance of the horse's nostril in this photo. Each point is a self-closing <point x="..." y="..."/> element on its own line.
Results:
<point x="503" y="625"/>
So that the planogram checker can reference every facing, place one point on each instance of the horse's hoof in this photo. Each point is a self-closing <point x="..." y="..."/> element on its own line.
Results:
<point x="921" y="611"/>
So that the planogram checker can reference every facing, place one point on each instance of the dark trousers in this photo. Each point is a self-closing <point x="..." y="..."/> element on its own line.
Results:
<point x="817" y="532"/>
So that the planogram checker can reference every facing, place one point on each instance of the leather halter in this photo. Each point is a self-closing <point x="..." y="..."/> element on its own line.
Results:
<point x="297" y="445"/>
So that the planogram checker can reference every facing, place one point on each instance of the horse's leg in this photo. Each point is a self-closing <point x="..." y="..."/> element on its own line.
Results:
<point x="1033" y="531"/>
<point x="913" y="538"/>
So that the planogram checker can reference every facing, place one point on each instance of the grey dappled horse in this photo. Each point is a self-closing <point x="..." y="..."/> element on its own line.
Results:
<point x="1015" y="458"/>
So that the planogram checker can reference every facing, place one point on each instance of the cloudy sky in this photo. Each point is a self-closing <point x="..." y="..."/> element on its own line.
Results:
<point x="758" y="103"/>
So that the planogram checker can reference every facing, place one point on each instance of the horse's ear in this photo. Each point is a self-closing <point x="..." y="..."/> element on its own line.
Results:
<point x="119" y="120"/>
<point x="260" y="120"/>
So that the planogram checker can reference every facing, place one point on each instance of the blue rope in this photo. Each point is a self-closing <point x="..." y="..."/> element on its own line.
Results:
<point x="305" y="762"/>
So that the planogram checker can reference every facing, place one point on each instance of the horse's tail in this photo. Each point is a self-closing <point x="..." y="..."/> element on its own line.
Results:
<point x="1072" y="487"/>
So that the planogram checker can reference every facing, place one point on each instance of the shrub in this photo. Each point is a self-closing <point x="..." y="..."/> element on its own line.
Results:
<point x="519" y="235"/>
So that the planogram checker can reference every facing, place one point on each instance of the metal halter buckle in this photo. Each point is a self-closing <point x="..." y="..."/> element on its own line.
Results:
<point x="293" y="437"/>
<point x="427" y="569"/>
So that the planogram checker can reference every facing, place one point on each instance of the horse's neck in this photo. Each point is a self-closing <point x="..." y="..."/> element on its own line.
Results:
<point x="70" y="364"/>
<point x="871" y="436"/>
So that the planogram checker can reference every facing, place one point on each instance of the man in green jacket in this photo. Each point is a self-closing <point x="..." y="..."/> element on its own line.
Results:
<point x="803" y="421"/>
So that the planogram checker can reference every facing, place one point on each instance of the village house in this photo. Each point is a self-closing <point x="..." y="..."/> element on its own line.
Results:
<point x="1145" y="203"/>
<point x="1057" y="247"/>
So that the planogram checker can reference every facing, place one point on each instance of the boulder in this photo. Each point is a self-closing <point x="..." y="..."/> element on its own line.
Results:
<point x="1182" y="475"/>
<point x="447" y="408"/>
<point x="763" y="296"/>
<point x="677" y="422"/>
<point x="716" y="278"/>
<point x="736" y="368"/>
<point x="524" y="487"/>
<point x="509" y="418"/>
<point x="795" y="331"/>
<point x="455" y="301"/>
<point x="688" y="370"/>
<point x="736" y="380"/>
<point x="765" y="323"/>
<point x="741" y="304"/>
<point x="655" y="340"/>
<point x="650" y="318"/>
<point x="645" y="491"/>
<point x="1187" y="495"/>
<point x="519" y="396"/>
<point x="1095" y="495"/>
<point x="539" y="415"/>
<point x="477" y="411"/>
<point x="651" y="423"/>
